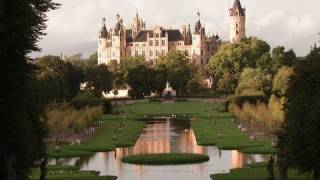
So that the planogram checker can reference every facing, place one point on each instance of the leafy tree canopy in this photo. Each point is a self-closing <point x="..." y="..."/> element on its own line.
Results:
<point x="301" y="133"/>
<point x="234" y="57"/>
<point x="254" y="79"/>
<point x="281" y="80"/>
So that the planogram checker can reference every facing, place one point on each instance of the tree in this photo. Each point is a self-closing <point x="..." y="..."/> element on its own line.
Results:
<point x="99" y="79"/>
<point x="281" y="80"/>
<point x="21" y="138"/>
<point x="159" y="79"/>
<point x="265" y="62"/>
<point x="256" y="80"/>
<point x="60" y="77"/>
<point x="280" y="58"/>
<point x="234" y="57"/>
<point x="178" y="72"/>
<point x="227" y="84"/>
<point x="140" y="81"/>
<point x="301" y="130"/>
<point x="193" y="86"/>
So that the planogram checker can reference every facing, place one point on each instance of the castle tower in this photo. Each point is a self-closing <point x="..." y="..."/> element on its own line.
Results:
<point x="137" y="25"/>
<point x="102" y="42"/>
<point x="198" y="42"/>
<point x="237" y="22"/>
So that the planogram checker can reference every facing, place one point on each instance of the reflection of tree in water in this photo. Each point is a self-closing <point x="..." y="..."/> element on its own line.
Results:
<point x="83" y="160"/>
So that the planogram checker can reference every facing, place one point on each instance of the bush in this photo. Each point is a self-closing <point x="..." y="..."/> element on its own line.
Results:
<point x="240" y="100"/>
<point x="155" y="100"/>
<point x="181" y="100"/>
<point x="107" y="107"/>
<point x="87" y="98"/>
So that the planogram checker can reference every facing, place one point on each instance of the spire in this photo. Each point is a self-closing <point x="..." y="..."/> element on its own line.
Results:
<point x="237" y="8"/>
<point x="103" y="31"/>
<point x="198" y="24"/>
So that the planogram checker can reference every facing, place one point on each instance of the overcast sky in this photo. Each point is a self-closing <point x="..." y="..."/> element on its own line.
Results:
<point x="73" y="28"/>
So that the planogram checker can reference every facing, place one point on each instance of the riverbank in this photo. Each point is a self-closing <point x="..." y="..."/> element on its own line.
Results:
<point x="106" y="138"/>
<point x="70" y="173"/>
<point x="257" y="171"/>
<point x="223" y="133"/>
<point x="165" y="159"/>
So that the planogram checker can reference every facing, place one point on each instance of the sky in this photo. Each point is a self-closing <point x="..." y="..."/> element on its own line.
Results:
<point x="74" y="27"/>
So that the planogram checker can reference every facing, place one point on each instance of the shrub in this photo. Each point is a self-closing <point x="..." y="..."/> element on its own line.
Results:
<point x="87" y="98"/>
<point x="240" y="100"/>
<point x="107" y="107"/>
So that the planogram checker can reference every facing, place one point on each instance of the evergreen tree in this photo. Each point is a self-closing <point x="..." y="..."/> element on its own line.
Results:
<point x="22" y="22"/>
<point x="301" y="132"/>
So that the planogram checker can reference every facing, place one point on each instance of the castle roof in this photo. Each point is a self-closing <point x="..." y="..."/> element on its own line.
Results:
<point x="173" y="35"/>
<point x="237" y="6"/>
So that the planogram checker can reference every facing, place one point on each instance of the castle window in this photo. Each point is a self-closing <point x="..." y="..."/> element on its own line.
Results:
<point x="151" y="53"/>
<point x="237" y="32"/>
<point x="157" y="42"/>
<point x="143" y="52"/>
<point x="162" y="52"/>
<point x="136" y="53"/>
<point x="157" y="53"/>
<point x="201" y="52"/>
<point x="137" y="45"/>
<point x="151" y="43"/>
<point x="237" y="26"/>
<point x="163" y="42"/>
<point x="157" y="35"/>
<point x="143" y="45"/>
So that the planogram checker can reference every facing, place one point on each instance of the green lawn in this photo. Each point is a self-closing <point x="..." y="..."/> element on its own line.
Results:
<point x="166" y="159"/>
<point x="225" y="135"/>
<point x="102" y="140"/>
<point x="255" y="172"/>
<point x="70" y="173"/>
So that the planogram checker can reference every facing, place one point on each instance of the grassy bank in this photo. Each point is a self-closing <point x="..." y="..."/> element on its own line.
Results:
<point x="255" y="172"/>
<point x="69" y="173"/>
<point x="102" y="140"/>
<point x="165" y="159"/>
<point x="225" y="135"/>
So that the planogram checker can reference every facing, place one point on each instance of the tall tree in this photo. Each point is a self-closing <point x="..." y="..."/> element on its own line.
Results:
<point x="301" y="133"/>
<point x="22" y="22"/>
<point x="99" y="78"/>
<point x="140" y="81"/>
<point x="178" y="71"/>
<point x="281" y="57"/>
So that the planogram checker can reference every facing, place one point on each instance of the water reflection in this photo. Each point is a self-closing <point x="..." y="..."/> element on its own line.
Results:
<point x="164" y="136"/>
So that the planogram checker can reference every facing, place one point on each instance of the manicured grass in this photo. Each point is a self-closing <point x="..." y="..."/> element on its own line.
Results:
<point x="102" y="140"/>
<point x="70" y="173"/>
<point x="225" y="135"/>
<point x="255" y="172"/>
<point x="165" y="159"/>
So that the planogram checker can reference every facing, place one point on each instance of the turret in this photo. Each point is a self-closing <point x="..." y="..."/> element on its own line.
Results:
<point x="237" y="22"/>
<point x="137" y="25"/>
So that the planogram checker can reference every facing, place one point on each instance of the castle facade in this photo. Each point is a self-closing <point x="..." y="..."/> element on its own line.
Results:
<point x="136" y="40"/>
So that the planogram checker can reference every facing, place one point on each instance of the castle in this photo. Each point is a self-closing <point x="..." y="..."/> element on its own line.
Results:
<point x="121" y="42"/>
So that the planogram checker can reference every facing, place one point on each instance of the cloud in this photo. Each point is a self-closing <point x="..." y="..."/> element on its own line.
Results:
<point x="298" y="32"/>
<point x="73" y="28"/>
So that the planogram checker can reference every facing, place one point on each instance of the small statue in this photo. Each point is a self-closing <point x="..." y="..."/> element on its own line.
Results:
<point x="43" y="169"/>
<point x="270" y="169"/>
